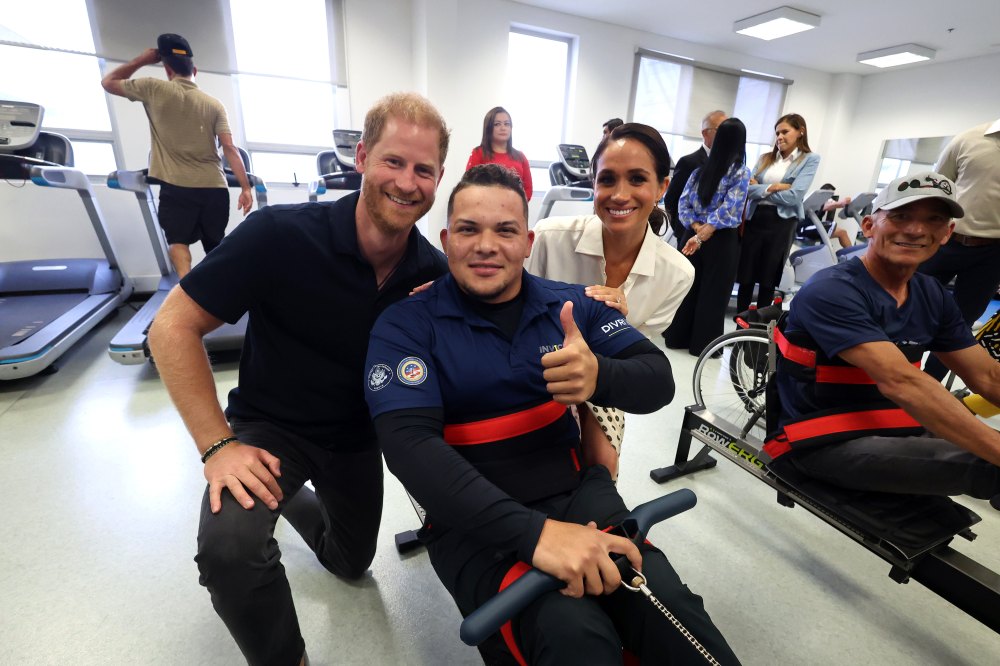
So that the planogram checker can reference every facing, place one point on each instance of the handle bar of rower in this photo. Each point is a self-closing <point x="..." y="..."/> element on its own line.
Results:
<point x="488" y="618"/>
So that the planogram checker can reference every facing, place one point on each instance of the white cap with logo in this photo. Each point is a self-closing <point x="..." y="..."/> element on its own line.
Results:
<point x="923" y="185"/>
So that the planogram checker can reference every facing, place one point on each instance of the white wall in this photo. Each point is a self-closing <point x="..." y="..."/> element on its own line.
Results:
<point x="934" y="100"/>
<point x="455" y="51"/>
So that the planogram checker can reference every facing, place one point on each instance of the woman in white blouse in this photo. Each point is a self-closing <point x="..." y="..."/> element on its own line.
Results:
<point x="618" y="254"/>
<point x="778" y="186"/>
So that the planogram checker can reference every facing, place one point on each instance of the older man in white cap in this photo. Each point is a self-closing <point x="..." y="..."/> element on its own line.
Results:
<point x="855" y="408"/>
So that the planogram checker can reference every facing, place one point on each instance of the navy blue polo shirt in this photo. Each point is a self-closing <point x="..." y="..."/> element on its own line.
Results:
<point x="843" y="306"/>
<point x="435" y="351"/>
<point x="312" y="300"/>
<point x="432" y="351"/>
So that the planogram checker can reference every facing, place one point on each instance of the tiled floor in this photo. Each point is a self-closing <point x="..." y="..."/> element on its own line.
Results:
<point x="103" y="487"/>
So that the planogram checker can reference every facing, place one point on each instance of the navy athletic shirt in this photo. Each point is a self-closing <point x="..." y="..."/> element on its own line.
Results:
<point x="312" y="300"/>
<point x="439" y="372"/>
<point x="843" y="306"/>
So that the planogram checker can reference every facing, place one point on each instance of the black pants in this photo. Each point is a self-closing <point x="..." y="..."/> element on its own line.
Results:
<point x="557" y="629"/>
<point x="192" y="214"/>
<point x="767" y="240"/>
<point x="976" y="271"/>
<point x="924" y="465"/>
<point x="699" y="319"/>
<point x="239" y="559"/>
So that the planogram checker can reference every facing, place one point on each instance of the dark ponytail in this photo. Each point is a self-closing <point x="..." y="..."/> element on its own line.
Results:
<point x="728" y="150"/>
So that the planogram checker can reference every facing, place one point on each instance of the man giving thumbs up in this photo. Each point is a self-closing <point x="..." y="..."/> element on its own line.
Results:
<point x="468" y="383"/>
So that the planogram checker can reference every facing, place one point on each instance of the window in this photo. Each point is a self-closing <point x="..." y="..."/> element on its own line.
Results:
<point x="891" y="169"/>
<point x="285" y="111"/>
<point x="284" y="167"/>
<point x="76" y="102"/>
<point x="535" y="93"/>
<point x="287" y="95"/>
<point x="94" y="158"/>
<point x="39" y="36"/>
<point x="674" y="95"/>
<point x="901" y="157"/>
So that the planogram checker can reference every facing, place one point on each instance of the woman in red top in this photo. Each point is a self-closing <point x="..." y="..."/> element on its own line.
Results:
<point x="498" y="147"/>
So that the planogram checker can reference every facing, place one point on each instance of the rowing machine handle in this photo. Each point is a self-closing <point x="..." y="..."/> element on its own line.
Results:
<point x="488" y="618"/>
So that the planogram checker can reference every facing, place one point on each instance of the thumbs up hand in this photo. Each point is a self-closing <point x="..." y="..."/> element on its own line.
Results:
<point x="571" y="372"/>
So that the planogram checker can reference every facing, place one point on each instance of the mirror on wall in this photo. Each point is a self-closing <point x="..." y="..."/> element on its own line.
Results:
<point x="901" y="157"/>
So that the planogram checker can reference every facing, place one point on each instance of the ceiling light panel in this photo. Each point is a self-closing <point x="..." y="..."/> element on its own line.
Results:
<point x="776" y="23"/>
<point x="894" y="56"/>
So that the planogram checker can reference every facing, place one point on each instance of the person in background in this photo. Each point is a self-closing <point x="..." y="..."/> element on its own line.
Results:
<point x="617" y="252"/>
<point x="497" y="147"/>
<point x="686" y="165"/>
<point x="610" y="125"/>
<point x="711" y="210"/>
<point x="778" y="186"/>
<point x="972" y="256"/>
<point x="289" y="422"/>
<point x="847" y="229"/>
<point x="184" y="125"/>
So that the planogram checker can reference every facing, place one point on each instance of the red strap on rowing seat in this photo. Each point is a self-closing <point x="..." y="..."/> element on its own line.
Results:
<point x="846" y="374"/>
<point x="859" y="422"/>
<point x="504" y="427"/>
<point x="507" y="630"/>
<point x="794" y="353"/>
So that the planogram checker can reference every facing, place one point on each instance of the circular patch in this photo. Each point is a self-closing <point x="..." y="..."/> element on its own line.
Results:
<point x="412" y="371"/>
<point x="379" y="377"/>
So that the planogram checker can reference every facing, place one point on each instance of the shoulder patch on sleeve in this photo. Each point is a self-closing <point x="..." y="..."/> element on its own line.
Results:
<point x="411" y="371"/>
<point x="379" y="377"/>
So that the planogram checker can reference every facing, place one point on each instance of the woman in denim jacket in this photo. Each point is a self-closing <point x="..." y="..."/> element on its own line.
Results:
<point x="780" y="182"/>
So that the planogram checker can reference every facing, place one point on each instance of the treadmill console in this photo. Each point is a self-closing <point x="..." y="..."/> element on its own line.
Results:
<point x="345" y="144"/>
<point x="20" y="123"/>
<point x="576" y="161"/>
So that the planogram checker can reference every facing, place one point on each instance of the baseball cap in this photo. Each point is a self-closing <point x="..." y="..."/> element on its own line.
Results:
<point x="923" y="185"/>
<point x="170" y="44"/>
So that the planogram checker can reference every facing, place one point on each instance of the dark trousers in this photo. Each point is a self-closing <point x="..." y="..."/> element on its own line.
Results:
<point x="239" y="559"/>
<point x="767" y="239"/>
<point x="915" y="465"/>
<point x="976" y="271"/>
<point x="557" y="629"/>
<point x="699" y="319"/>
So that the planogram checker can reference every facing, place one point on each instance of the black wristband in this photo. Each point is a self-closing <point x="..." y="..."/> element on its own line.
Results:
<point x="212" y="450"/>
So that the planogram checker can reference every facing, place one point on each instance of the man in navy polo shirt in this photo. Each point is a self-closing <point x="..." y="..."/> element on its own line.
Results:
<point x="855" y="408"/>
<point x="469" y="385"/>
<point x="313" y="277"/>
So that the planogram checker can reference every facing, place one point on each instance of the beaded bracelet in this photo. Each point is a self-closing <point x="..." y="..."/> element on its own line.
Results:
<point x="212" y="450"/>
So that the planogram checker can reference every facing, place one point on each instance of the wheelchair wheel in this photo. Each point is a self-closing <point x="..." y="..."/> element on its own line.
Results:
<point x="730" y="377"/>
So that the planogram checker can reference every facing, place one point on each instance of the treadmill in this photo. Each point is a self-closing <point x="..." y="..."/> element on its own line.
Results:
<point x="48" y="305"/>
<point x="336" y="168"/>
<point x="570" y="177"/>
<point x="129" y="346"/>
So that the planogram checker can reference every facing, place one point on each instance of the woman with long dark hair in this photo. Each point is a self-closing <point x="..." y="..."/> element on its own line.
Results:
<point x="711" y="209"/>
<point x="778" y="186"/>
<point x="497" y="146"/>
<point x="616" y="251"/>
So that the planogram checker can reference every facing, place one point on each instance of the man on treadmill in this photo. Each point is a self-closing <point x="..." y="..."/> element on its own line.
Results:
<point x="313" y="278"/>
<point x="855" y="408"/>
<point x="468" y="383"/>
<point x="184" y="124"/>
